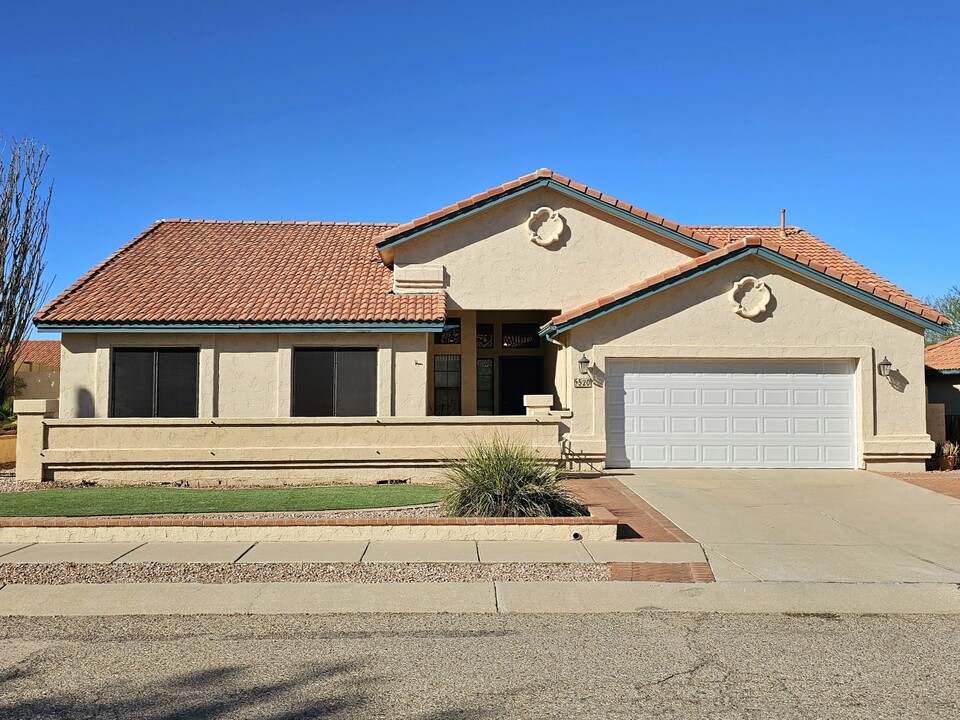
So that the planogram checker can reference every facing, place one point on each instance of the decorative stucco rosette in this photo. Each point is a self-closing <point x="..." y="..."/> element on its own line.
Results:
<point x="750" y="297"/>
<point x="545" y="226"/>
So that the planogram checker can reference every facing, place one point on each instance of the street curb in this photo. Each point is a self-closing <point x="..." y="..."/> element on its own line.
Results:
<point x="487" y="597"/>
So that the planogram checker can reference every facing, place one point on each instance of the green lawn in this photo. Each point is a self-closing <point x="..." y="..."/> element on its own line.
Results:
<point x="80" y="502"/>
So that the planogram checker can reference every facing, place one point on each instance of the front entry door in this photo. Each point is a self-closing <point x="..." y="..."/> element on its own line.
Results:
<point x="519" y="376"/>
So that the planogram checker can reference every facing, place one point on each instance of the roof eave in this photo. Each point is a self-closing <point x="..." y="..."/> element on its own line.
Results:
<point x="385" y="247"/>
<point x="383" y="326"/>
<point x="553" y="329"/>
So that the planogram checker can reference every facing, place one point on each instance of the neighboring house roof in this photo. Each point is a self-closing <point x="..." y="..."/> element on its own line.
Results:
<point x="42" y="352"/>
<point x="943" y="355"/>
<point x="777" y="251"/>
<point x="208" y="272"/>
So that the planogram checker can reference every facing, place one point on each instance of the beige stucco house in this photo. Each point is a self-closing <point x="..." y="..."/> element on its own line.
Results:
<point x="603" y="334"/>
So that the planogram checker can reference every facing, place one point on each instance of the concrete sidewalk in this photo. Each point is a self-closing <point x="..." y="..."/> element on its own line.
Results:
<point x="485" y="597"/>
<point x="451" y="551"/>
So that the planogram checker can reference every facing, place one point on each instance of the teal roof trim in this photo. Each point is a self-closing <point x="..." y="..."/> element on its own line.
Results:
<point x="769" y="255"/>
<point x="553" y="185"/>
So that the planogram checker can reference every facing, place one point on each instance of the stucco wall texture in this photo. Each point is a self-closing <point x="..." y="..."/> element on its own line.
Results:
<point x="491" y="264"/>
<point x="697" y="320"/>
<point x="244" y="375"/>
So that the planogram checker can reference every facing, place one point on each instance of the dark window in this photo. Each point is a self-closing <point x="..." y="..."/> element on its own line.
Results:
<point x="446" y="384"/>
<point x="485" y="386"/>
<point x="521" y="335"/>
<point x="450" y="335"/>
<point x="154" y="382"/>
<point x="484" y="335"/>
<point x="334" y="382"/>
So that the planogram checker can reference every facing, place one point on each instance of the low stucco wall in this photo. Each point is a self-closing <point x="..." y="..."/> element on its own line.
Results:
<point x="936" y="422"/>
<point x="40" y="385"/>
<point x="8" y="448"/>
<point x="262" y="450"/>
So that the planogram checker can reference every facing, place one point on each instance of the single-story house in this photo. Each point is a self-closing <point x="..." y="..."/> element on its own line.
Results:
<point x="37" y="365"/>
<point x="268" y="349"/>
<point x="943" y="382"/>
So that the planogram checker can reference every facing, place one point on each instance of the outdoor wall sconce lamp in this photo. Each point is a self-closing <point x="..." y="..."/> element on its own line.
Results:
<point x="883" y="367"/>
<point x="584" y="364"/>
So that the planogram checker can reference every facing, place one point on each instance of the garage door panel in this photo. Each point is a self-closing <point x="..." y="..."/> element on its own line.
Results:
<point x="775" y="425"/>
<point x="712" y="396"/>
<point x="715" y="425"/>
<point x="745" y="426"/>
<point x="684" y="424"/>
<point x="776" y="454"/>
<point x="732" y="414"/>
<point x="684" y="453"/>
<point x="683" y="396"/>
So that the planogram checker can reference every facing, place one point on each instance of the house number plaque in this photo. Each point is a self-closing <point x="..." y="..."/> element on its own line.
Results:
<point x="583" y="382"/>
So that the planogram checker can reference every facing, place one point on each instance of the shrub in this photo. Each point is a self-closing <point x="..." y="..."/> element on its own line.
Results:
<point x="504" y="478"/>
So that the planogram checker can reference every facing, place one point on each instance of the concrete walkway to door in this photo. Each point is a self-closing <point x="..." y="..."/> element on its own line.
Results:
<point x="809" y="525"/>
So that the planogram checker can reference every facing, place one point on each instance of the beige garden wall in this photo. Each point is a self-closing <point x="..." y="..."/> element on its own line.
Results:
<point x="697" y="320"/>
<point x="244" y="375"/>
<point x="278" y="451"/>
<point x="491" y="264"/>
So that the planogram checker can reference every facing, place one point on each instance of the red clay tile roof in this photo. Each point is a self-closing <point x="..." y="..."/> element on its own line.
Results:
<point x="43" y="352"/>
<point x="541" y="174"/>
<point x="943" y="355"/>
<point x="820" y="256"/>
<point x="852" y="274"/>
<point x="814" y="252"/>
<point x="199" y="271"/>
<point x="226" y="272"/>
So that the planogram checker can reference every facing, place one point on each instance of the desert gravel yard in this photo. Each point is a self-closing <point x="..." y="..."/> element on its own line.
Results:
<point x="69" y="573"/>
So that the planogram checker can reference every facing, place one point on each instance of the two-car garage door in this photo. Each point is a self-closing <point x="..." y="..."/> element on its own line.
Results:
<point x="797" y="414"/>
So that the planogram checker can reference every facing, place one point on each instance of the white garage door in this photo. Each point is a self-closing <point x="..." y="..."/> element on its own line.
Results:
<point x="731" y="414"/>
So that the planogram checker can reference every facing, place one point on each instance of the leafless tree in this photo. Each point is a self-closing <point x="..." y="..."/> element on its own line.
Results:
<point x="24" y="202"/>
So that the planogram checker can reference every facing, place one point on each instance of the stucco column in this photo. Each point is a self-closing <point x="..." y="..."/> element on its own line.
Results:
<point x="468" y="362"/>
<point x="31" y="436"/>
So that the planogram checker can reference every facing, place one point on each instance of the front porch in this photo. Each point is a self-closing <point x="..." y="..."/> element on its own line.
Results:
<point x="485" y="362"/>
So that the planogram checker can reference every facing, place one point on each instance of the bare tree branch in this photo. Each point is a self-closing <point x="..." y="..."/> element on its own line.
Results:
<point x="24" y="202"/>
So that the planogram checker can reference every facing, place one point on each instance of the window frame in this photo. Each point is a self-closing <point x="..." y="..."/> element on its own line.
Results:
<point x="530" y="331"/>
<point x="336" y="350"/>
<point x="451" y="323"/>
<point x="459" y="387"/>
<point x="155" y="350"/>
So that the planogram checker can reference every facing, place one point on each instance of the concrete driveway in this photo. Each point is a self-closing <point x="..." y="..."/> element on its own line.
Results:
<point x="809" y="525"/>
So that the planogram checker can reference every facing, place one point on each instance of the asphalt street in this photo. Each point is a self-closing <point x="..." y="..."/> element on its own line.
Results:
<point x="481" y="666"/>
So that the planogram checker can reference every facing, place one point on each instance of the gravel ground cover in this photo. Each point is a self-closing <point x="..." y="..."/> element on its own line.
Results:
<point x="220" y="573"/>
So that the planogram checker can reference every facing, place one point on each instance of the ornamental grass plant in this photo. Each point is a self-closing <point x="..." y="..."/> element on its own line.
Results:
<point x="505" y="478"/>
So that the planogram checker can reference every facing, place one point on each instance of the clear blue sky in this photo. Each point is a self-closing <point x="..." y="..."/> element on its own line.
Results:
<point x="847" y="114"/>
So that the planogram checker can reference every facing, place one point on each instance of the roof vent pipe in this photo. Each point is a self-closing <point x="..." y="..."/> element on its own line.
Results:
<point x="783" y="222"/>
